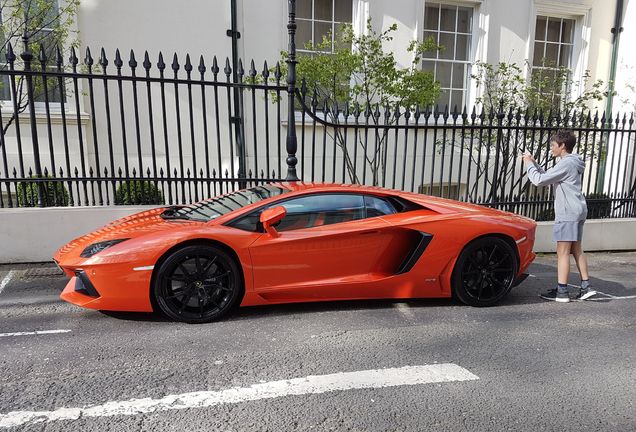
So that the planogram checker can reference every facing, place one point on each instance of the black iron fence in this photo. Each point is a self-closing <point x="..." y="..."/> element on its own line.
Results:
<point x="86" y="133"/>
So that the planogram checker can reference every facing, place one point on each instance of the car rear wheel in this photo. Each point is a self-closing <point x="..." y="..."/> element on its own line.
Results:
<point x="198" y="284"/>
<point x="485" y="272"/>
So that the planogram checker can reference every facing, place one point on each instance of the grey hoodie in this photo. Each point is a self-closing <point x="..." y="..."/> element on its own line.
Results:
<point x="566" y="176"/>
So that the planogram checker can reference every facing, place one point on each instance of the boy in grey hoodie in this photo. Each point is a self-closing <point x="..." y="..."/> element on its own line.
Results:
<point x="570" y="211"/>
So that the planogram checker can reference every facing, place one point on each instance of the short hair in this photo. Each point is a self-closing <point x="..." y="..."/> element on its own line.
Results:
<point x="564" y="136"/>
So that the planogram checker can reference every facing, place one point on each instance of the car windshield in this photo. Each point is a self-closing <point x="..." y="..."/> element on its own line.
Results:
<point x="213" y="208"/>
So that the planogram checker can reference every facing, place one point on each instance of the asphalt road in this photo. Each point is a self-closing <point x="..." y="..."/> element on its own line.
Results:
<point x="525" y="365"/>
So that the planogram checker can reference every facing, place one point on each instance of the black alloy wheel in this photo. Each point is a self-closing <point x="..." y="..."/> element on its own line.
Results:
<point x="198" y="284"/>
<point x="485" y="272"/>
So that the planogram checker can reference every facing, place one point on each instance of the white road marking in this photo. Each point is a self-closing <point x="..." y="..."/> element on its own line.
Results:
<point x="37" y="332"/>
<point x="378" y="378"/>
<point x="610" y="296"/>
<point x="6" y="280"/>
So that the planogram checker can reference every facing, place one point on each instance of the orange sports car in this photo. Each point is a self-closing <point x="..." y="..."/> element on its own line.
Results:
<point x="297" y="242"/>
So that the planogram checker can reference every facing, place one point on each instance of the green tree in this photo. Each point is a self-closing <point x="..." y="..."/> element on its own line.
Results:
<point x="39" y="27"/>
<point x="550" y="91"/>
<point x="360" y="74"/>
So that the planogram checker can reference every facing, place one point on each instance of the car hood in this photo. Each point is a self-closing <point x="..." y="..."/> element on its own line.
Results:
<point x="129" y="227"/>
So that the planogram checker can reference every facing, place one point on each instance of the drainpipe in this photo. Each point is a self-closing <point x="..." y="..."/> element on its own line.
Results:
<point x="239" y="131"/>
<point x="616" y="31"/>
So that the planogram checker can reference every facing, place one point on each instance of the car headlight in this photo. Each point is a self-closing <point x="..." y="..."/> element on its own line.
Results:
<point x="95" y="248"/>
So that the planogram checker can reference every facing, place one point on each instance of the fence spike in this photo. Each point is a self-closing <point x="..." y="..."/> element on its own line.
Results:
<point x="103" y="61"/>
<point x="175" y="63"/>
<point x="240" y="70"/>
<point x="61" y="172"/>
<point x="455" y="113"/>
<point x="105" y="171"/>
<point x="161" y="65"/>
<point x="346" y="113"/>
<point x="188" y="65"/>
<point x="252" y="70"/>
<point x="265" y="73"/>
<point x="314" y="100"/>
<point x="120" y="172"/>
<point x="176" y="174"/>
<point x="277" y="73"/>
<point x="11" y="57"/>
<point x="30" y="172"/>
<point x="42" y="55"/>
<point x="201" y="67"/>
<point x="228" y="69"/>
<point x="161" y="172"/>
<point x="46" y="172"/>
<point x="88" y="59"/>
<point x="188" y="172"/>
<point x="148" y="172"/>
<point x="146" y="64"/>
<point x="134" y="172"/>
<point x="90" y="171"/>
<point x="76" y="172"/>
<point x="132" y="62"/>
<point x="73" y="58"/>
<point x="303" y="88"/>
<point x="356" y="111"/>
<point x="213" y="172"/>
<point x="215" y="67"/>
<point x="118" y="62"/>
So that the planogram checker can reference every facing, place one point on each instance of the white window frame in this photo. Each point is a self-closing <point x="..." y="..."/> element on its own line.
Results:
<point x="359" y="17"/>
<point x="40" y="106"/>
<point x="581" y="37"/>
<point x="476" y="44"/>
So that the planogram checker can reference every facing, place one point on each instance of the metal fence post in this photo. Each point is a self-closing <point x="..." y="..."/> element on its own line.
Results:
<point x="27" y="57"/>
<point x="292" y="141"/>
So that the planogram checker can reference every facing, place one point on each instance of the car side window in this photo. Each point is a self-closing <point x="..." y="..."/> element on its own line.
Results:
<point x="321" y="209"/>
<point x="377" y="206"/>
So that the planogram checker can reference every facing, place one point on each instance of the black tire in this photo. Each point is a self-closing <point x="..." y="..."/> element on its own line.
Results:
<point x="485" y="272"/>
<point x="198" y="284"/>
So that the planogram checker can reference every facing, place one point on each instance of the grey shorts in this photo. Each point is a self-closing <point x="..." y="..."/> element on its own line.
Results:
<point x="568" y="231"/>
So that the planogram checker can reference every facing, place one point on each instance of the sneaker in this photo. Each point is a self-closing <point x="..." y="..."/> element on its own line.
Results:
<point x="586" y="293"/>
<point x="554" y="295"/>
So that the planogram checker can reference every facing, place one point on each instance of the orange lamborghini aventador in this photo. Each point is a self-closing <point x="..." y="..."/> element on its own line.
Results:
<point x="297" y="242"/>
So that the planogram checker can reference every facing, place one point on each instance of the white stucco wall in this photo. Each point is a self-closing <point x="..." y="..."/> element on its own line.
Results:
<point x="34" y="234"/>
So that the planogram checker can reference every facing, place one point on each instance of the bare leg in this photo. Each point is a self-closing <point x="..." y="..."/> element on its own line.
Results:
<point x="563" y="264"/>
<point x="579" y="258"/>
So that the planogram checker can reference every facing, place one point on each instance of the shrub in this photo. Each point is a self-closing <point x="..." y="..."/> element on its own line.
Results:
<point x="130" y="192"/>
<point x="599" y="205"/>
<point x="54" y="194"/>
<point x="545" y="215"/>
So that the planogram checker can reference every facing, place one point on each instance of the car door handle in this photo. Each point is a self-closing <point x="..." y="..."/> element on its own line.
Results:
<point x="369" y="232"/>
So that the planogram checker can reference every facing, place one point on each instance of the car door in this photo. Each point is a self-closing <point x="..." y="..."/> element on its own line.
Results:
<point x="325" y="239"/>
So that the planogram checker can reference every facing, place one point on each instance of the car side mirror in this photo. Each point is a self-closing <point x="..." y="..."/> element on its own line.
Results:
<point x="270" y="216"/>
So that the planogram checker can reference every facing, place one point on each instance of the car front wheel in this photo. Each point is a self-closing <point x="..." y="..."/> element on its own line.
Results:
<point x="198" y="284"/>
<point x="485" y="272"/>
